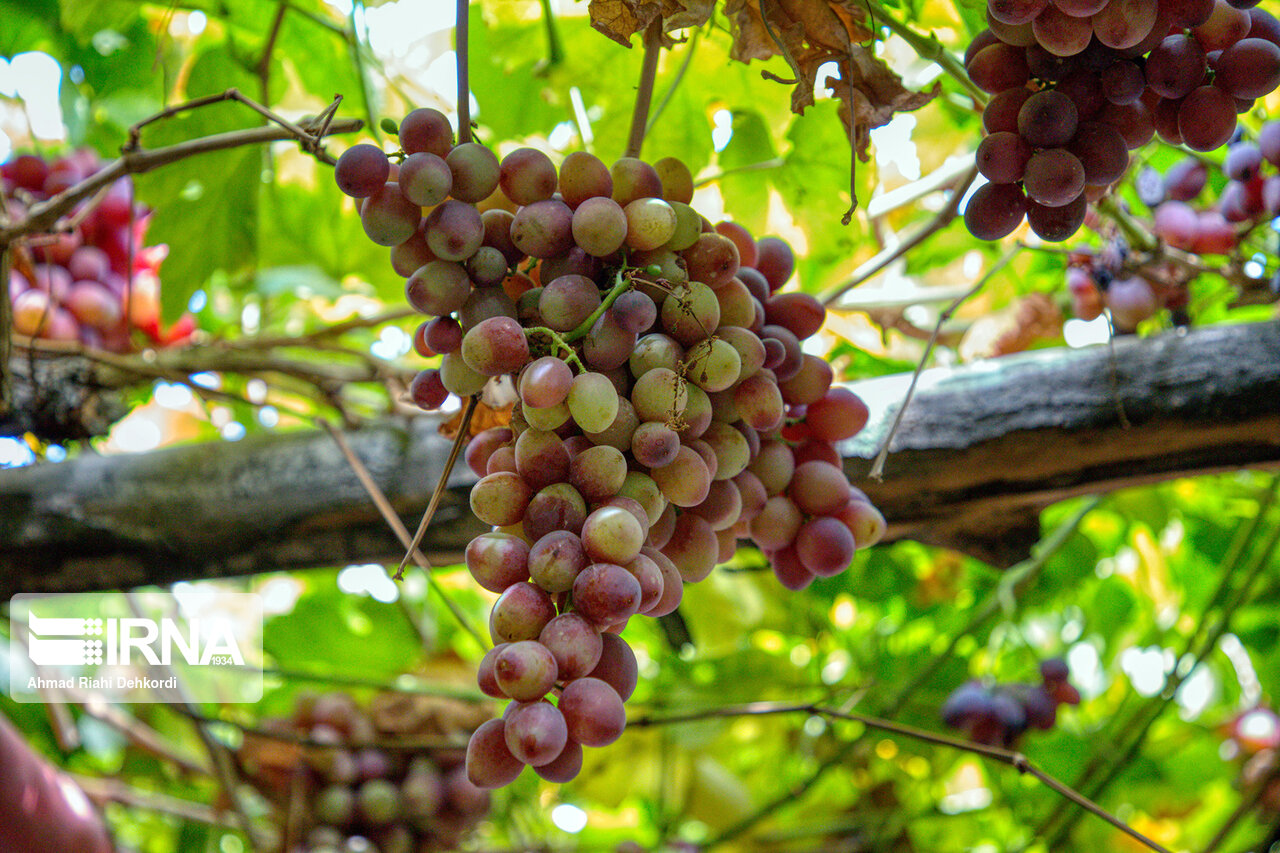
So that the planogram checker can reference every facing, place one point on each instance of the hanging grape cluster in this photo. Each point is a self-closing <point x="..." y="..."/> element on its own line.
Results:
<point x="1134" y="286"/>
<point x="999" y="714"/>
<point x="1077" y="84"/>
<point x="96" y="282"/>
<point x="342" y="781"/>
<point x="666" y="409"/>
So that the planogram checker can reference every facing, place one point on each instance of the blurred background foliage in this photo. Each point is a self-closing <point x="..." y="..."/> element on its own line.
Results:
<point x="1147" y="594"/>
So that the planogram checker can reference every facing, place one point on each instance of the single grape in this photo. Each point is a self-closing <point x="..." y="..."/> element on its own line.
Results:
<point x="584" y="176"/>
<point x="605" y="593"/>
<point x="525" y="670"/>
<point x="388" y="218"/>
<point x="995" y="210"/>
<point x="424" y="179"/>
<point x="426" y="130"/>
<point x="475" y="172"/>
<point x="555" y="560"/>
<point x="535" y="732"/>
<point x="362" y="170"/>
<point x="527" y="175"/>
<point x="574" y="642"/>
<point x="490" y="763"/>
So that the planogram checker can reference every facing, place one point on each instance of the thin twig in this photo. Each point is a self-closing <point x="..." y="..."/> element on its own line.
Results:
<point x="675" y="82"/>
<point x="459" y="441"/>
<point x="105" y="790"/>
<point x="1139" y="724"/>
<point x="887" y="256"/>
<point x="1014" y="580"/>
<point x="1014" y="759"/>
<point x="42" y="216"/>
<point x="1247" y="804"/>
<point x="264" y="62"/>
<point x="928" y="47"/>
<point x="877" y="468"/>
<point x="402" y="533"/>
<point x="644" y="89"/>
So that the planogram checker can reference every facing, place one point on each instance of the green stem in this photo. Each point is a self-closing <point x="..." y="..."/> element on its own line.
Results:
<point x="555" y="48"/>
<point x="675" y="81"/>
<point x="556" y="342"/>
<point x="1137" y="237"/>
<point x="928" y="47"/>
<point x="621" y="284"/>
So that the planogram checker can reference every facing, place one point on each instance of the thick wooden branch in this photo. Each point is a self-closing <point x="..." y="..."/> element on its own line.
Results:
<point x="982" y="449"/>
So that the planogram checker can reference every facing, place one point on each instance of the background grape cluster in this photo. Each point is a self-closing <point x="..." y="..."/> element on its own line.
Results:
<point x="1077" y="84"/>
<point x="351" y="778"/>
<point x="1183" y="219"/>
<point x="664" y="410"/>
<point x="96" y="282"/>
<point x="999" y="714"/>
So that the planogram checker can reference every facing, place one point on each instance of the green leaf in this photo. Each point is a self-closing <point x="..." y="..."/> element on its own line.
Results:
<point x="329" y="631"/>
<point x="205" y="206"/>
<point x="746" y="193"/>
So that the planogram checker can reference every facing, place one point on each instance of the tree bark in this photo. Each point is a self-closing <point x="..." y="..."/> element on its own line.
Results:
<point x="980" y="451"/>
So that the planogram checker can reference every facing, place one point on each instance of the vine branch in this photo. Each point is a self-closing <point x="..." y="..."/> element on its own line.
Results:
<point x="644" y="90"/>
<point x="402" y="533"/>
<point x="462" y="37"/>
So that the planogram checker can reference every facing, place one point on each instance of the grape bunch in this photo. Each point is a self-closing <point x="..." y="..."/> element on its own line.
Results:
<point x="1136" y="286"/>
<point x="1254" y="735"/>
<point x="360" y="788"/>
<point x="998" y="715"/>
<point x="664" y="409"/>
<point x="1131" y="287"/>
<point x="1251" y="196"/>
<point x="1077" y="84"/>
<point x="95" y="283"/>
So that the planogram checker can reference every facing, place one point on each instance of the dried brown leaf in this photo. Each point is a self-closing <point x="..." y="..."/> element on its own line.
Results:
<point x="621" y="19"/>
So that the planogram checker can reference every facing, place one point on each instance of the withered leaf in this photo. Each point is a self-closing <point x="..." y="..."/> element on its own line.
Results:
<point x="621" y="19"/>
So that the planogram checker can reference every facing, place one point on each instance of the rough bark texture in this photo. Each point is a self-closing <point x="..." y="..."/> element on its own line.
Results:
<point x="981" y="450"/>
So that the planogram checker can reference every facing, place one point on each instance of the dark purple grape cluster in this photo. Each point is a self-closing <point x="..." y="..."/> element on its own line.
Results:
<point x="360" y="790"/>
<point x="95" y="283"/>
<point x="1077" y="84"/>
<point x="998" y="715"/>
<point x="664" y="409"/>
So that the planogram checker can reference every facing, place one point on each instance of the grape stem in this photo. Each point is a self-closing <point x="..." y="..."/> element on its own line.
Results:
<point x="644" y="90"/>
<point x="1137" y="237"/>
<point x="557" y="341"/>
<point x="621" y="284"/>
<point x="928" y="47"/>
<point x="461" y="28"/>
